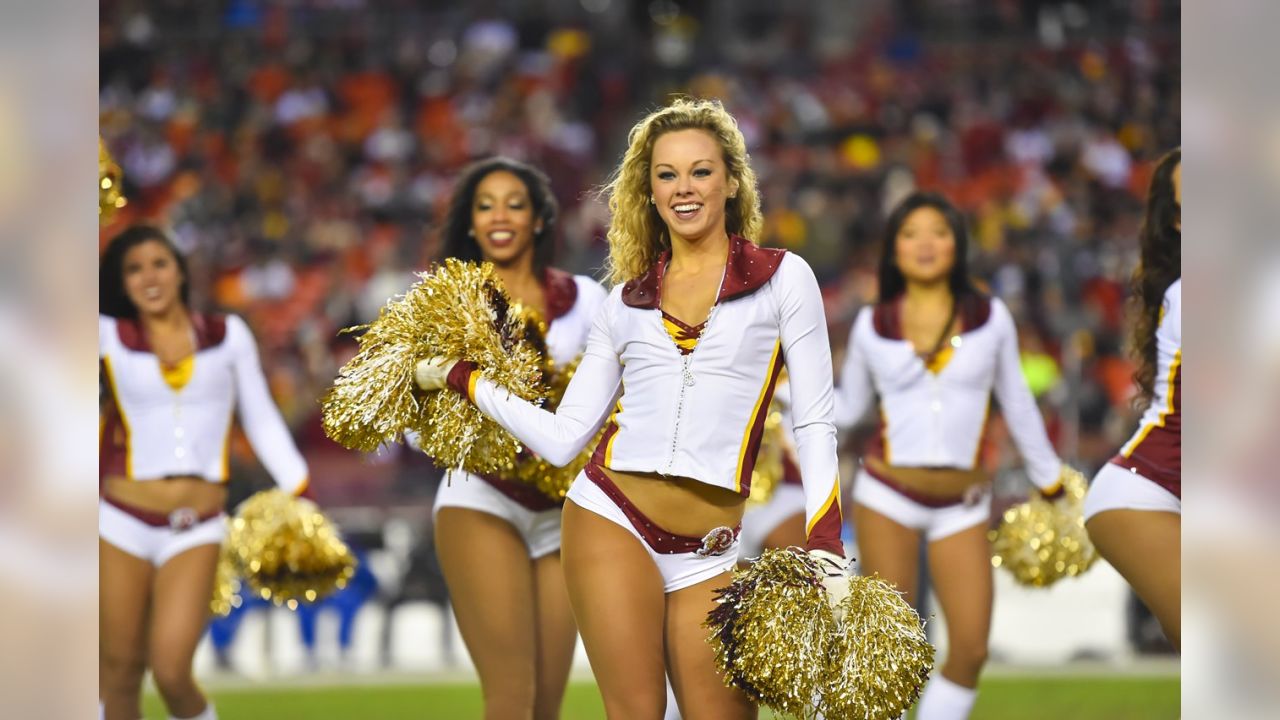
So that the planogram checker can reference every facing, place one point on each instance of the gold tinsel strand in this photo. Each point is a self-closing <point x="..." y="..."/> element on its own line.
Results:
<point x="285" y="550"/>
<point x="1042" y="541"/>
<point x="772" y="630"/>
<point x="110" y="197"/>
<point x="881" y="656"/>
<point x="458" y="310"/>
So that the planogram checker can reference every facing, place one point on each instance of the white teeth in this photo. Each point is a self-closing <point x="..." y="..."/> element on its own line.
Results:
<point x="151" y="293"/>
<point x="501" y="235"/>
<point x="687" y="207"/>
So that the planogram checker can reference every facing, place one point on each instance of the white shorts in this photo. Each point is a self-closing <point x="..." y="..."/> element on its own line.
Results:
<point x="540" y="530"/>
<point x="1118" y="488"/>
<point x="156" y="545"/>
<point x="935" y="523"/>
<point x="759" y="521"/>
<point x="680" y="570"/>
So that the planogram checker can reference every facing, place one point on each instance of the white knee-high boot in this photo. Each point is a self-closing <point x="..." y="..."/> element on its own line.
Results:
<point x="207" y="714"/>
<point x="945" y="700"/>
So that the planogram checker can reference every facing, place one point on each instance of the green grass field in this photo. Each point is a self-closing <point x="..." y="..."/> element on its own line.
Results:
<point x="1014" y="697"/>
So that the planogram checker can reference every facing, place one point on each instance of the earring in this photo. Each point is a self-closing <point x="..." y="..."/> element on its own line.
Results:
<point x="471" y="232"/>
<point x="651" y="200"/>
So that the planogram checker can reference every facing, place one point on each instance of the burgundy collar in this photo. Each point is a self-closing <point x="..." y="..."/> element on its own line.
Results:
<point x="561" y="292"/>
<point x="886" y="317"/>
<point x="210" y="330"/>
<point x="748" y="268"/>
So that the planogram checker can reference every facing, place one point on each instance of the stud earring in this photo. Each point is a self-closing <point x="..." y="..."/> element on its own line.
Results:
<point x="651" y="200"/>
<point x="471" y="232"/>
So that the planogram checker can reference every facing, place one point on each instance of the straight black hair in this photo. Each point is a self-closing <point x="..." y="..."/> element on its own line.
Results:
<point x="892" y="281"/>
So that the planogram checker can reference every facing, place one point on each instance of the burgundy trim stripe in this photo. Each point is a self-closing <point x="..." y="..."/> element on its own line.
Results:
<point x="825" y="534"/>
<point x="524" y="495"/>
<point x="757" y="427"/>
<point x="602" y="447"/>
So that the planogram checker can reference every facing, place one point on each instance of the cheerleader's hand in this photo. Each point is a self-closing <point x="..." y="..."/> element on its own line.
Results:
<point x="433" y="373"/>
<point x="835" y="578"/>
<point x="1058" y="490"/>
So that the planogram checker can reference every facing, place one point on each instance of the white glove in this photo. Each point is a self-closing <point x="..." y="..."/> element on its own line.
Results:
<point x="835" y="578"/>
<point x="433" y="373"/>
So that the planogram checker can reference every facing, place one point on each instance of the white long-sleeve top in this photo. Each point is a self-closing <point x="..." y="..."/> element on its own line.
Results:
<point x="697" y="414"/>
<point x="155" y="427"/>
<point x="1155" y="450"/>
<point x="936" y="419"/>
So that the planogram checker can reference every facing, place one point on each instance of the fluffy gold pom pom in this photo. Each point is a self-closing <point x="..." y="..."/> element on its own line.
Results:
<point x="458" y="310"/>
<point x="772" y="632"/>
<point x="1042" y="541"/>
<point x="286" y="551"/>
<point x="776" y="638"/>
<point x="882" y="657"/>
<point x="110" y="196"/>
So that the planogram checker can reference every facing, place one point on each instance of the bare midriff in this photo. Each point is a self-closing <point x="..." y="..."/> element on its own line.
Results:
<point x="167" y="495"/>
<point x="682" y="506"/>
<point x="939" y="482"/>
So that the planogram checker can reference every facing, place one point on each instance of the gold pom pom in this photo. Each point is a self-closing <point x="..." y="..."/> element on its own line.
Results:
<point x="110" y="196"/>
<point x="458" y="310"/>
<point x="226" y="583"/>
<point x="882" y="655"/>
<point x="772" y="632"/>
<point x="286" y="550"/>
<point x="767" y="473"/>
<point x="1042" y="541"/>
<point x="776" y="638"/>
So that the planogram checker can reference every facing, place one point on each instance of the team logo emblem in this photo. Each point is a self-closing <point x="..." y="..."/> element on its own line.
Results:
<point x="183" y="519"/>
<point x="716" y="542"/>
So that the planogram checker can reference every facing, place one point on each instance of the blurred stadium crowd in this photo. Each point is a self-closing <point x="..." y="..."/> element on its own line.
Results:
<point x="302" y="153"/>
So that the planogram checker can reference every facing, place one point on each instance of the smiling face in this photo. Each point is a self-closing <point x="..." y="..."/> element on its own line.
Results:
<point x="502" y="218"/>
<point x="690" y="183"/>
<point x="152" y="278"/>
<point x="925" y="247"/>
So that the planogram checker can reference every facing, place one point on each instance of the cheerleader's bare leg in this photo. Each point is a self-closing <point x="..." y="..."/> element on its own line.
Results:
<point x="960" y="567"/>
<point x="618" y="600"/>
<point x="1146" y="548"/>
<point x="697" y="683"/>
<point x="179" y="614"/>
<point x="888" y="549"/>
<point x="557" y="635"/>
<point x="123" y="604"/>
<point x="499" y="605"/>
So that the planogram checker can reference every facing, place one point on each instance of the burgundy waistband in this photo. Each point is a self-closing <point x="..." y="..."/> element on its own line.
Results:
<point x="180" y="519"/>
<point x="912" y="495"/>
<point x="524" y="495"/>
<point x="658" y="539"/>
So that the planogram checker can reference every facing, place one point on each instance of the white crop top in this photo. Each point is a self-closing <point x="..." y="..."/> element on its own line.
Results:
<point x="161" y="423"/>
<point x="697" y="414"/>
<point x="935" y="418"/>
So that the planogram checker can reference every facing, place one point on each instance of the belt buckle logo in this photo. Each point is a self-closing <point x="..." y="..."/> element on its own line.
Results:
<point x="183" y="519"/>
<point x="716" y="542"/>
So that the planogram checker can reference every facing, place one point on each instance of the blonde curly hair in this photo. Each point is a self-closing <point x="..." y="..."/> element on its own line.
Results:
<point x="637" y="234"/>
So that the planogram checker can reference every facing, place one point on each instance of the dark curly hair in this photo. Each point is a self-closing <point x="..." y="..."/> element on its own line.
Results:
<point x="892" y="282"/>
<point x="1160" y="264"/>
<point x="457" y="240"/>
<point x="112" y="298"/>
